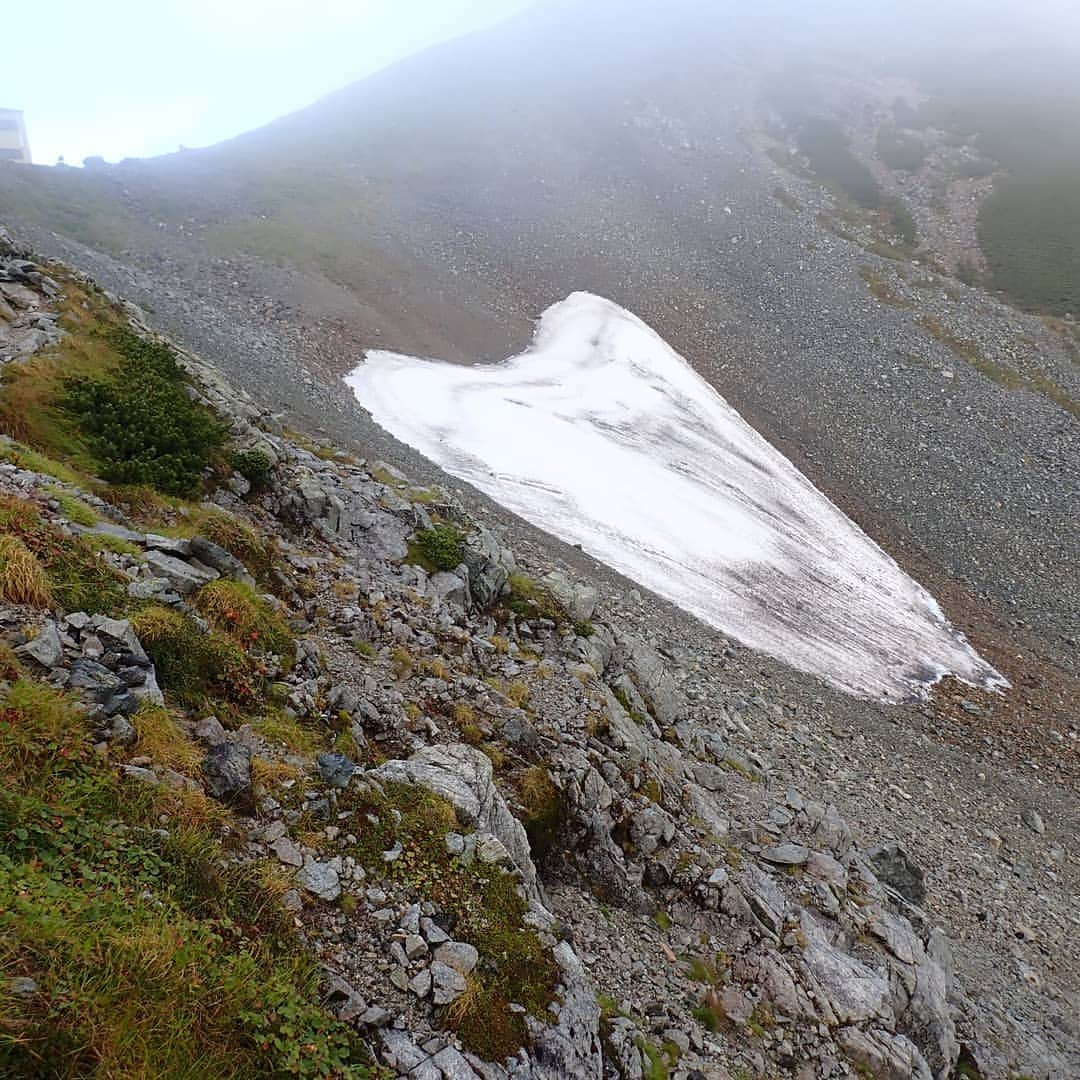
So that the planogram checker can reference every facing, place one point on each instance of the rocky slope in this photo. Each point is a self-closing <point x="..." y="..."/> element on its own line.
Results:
<point x="528" y="821"/>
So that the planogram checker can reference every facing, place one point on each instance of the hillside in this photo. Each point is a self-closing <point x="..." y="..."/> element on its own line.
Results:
<point x="307" y="773"/>
<point x="354" y="772"/>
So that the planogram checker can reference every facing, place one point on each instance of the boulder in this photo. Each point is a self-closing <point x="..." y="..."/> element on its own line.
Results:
<point x="217" y="558"/>
<point x="227" y="775"/>
<point x="185" y="577"/>
<point x="46" y="649"/>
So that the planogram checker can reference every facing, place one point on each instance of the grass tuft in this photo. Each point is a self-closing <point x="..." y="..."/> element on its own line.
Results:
<point x="22" y="578"/>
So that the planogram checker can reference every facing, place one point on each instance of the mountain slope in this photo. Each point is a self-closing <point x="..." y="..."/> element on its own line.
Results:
<point x="438" y="207"/>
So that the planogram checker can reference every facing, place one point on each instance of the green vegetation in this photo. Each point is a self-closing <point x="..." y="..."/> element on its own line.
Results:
<point x="78" y="579"/>
<point x="74" y="509"/>
<point x="150" y="953"/>
<point x="33" y="461"/>
<point x="139" y="422"/>
<point x="439" y="548"/>
<point x="255" y="466"/>
<point x="483" y="904"/>
<point x="22" y="579"/>
<point x="196" y="668"/>
<point x="237" y="610"/>
<point x="530" y="600"/>
<point x="257" y="552"/>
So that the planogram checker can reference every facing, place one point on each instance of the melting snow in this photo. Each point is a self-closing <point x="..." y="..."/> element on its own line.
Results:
<point x="603" y="435"/>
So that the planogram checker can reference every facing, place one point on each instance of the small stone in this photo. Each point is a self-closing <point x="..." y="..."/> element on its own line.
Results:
<point x="459" y="955"/>
<point x="399" y="978"/>
<point x="433" y="932"/>
<point x="227" y="775"/>
<point x="376" y="1017"/>
<point x="718" y="878"/>
<point x="420" y="983"/>
<point x="291" y="900"/>
<point x="287" y="851"/>
<point x="210" y="732"/>
<point x="320" y="879"/>
<point x="22" y="986"/>
<point x="1033" y="820"/>
<point x="415" y="946"/>
<point x="455" y="843"/>
<point x="449" y="984"/>
<point x="46" y="648"/>
<point x="335" y="769"/>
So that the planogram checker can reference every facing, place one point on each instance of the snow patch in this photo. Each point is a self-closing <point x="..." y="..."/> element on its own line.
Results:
<point x="603" y="435"/>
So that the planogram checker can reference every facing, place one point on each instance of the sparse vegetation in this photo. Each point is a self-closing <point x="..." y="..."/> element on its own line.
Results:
<point x="483" y="903"/>
<point x="255" y="466"/>
<point x="249" y="619"/>
<point x="22" y="579"/>
<point x="439" y="548"/>
<point x="78" y="579"/>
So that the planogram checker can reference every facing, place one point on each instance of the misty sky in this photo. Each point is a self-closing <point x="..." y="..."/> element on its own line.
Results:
<point x="133" y="78"/>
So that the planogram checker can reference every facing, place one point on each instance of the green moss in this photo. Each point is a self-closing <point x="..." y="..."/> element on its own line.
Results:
<point x="662" y="920"/>
<point x="106" y="542"/>
<point x="438" y="548"/>
<point x="74" y="509"/>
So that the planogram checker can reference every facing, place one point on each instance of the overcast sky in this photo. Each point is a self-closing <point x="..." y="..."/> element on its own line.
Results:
<point x="133" y="78"/>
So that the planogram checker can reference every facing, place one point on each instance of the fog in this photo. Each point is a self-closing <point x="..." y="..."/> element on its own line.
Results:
<point x="122" y="79"/>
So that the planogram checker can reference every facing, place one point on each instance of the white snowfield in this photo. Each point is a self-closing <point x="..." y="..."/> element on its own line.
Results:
<point x="603" y="435"/>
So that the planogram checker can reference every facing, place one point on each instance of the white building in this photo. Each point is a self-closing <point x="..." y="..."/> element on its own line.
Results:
<point x="14" y="145"/>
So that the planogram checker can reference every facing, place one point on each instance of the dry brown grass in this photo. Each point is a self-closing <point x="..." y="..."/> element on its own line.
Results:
<point x="22" y="577"/>
<point x="162" y="739"/>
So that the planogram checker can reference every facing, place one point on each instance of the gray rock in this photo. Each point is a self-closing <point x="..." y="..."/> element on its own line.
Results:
<point x="1033" y="820"/>
<point x="22" y="986"/>
<point x="420" y="983"/>
<point x="895" y="868"/>
<point x="170" y="545"/>
<point x="459" y="955"/>
<point x="287" y="851"/>
<point x="227" y="775"/>
<point x="415" y="946"/>
<point x="448" y="589"/>
<point x="490" y="566"/>
<point x="448" y="984"/>
<point x="210" y="732"/>
<point x="335" y="769"/>
<point x="577" y="599"/>
<point x="122" y="732"/>
<point x="185" y="577"/>
<point x="786" y="854"/>
<point x="46" y="649"/>
<point x="319" y="879"/>
<point x="217" y="558"/>
<point x="433" y="933"/>
<point x="96" y="679"/>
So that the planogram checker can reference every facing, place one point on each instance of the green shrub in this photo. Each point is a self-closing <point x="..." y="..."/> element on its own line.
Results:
<point x="255" y="466"/>
<point x="196" y="667"/>
<point x="438" y="548"/>
<point x="139" y="420"/>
